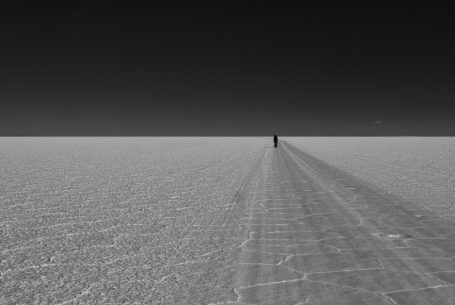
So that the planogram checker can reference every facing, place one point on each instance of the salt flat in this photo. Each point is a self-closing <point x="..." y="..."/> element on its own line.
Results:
<point x="226" y="221"/>
<point x="116" y="219"/>
<point x="421" y="169"/>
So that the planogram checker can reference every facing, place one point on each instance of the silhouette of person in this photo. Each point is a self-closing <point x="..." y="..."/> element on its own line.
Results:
<point x="275" y="140"/>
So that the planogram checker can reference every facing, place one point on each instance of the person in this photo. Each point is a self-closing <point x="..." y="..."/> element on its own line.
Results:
<point x="275" y="140"/>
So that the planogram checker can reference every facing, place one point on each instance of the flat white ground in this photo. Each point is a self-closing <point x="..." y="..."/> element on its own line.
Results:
<point x="227" y="221"/>
<point x="422" y="169"/>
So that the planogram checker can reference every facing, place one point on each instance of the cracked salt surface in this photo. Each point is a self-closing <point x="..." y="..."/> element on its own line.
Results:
<point x="210" y="221"/>
<point x="122" y="220"/>
<point x="356" y="251"/>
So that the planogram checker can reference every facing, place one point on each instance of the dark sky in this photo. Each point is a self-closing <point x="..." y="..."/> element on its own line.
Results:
<point x="213" y="69"/>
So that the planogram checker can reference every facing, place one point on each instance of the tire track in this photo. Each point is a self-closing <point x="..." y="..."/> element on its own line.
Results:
<point x="317" y="235"/>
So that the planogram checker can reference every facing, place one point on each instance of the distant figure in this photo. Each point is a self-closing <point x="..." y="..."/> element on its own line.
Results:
<point x="275" y="140"/>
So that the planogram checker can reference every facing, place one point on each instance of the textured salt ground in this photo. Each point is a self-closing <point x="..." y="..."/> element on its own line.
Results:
<point x="317" y="235"/>
<point x="224" y="222"/>
<point x="419" y="168"/>
<point x="115" y="220"/>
